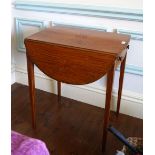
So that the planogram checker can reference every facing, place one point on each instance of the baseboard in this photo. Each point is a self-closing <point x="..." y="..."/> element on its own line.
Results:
<point x="131" y="103"/>
<point x="13" y="76"/>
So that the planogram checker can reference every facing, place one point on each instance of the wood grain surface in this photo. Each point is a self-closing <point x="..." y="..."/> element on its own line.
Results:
<point x="75" y="56"/>
<point x="69" y="128"/>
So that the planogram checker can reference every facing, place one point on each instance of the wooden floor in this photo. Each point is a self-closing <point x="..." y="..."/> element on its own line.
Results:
<point x="69" y="128"/>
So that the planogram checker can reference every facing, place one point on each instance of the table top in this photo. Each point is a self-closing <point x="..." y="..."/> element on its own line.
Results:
<point x="74" y="55"/>
<point x="108" y="42"/>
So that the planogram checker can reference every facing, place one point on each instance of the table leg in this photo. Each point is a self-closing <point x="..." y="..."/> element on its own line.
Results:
<point x="30" y="68"/>
<point x="59" y="90"/>
<point x="110" y="77"/>
<point x="122" y="69"/>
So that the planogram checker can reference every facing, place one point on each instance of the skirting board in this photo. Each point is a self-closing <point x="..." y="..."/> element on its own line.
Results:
<point x="13" y="78"/>
<point x="131" y="103"/>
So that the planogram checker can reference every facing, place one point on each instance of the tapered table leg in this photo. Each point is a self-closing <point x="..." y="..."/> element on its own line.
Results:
<point x="110" y="77"/>
<point x="122" y="69"/>
<point x="30" y="68"/>
<point x="59" y="90"/>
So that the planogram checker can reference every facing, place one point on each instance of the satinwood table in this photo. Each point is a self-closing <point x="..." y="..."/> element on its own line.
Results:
<point x="77" y="56"/>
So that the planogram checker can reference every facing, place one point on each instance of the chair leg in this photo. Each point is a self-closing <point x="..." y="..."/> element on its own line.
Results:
<point x="121" y="78"/>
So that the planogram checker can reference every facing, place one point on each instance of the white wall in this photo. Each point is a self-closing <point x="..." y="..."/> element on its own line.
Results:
<point x="93" y="93"/>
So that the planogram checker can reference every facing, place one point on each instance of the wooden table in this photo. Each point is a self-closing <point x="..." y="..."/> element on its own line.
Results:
<point x="77" y="56"/>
